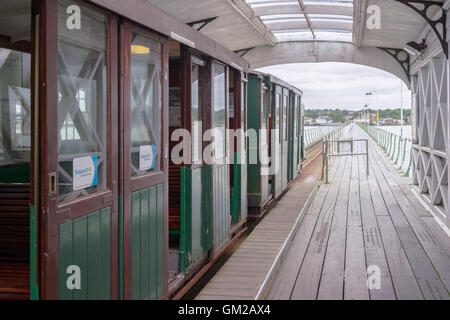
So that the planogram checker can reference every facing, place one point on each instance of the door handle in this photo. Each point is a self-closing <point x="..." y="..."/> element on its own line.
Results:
<point x="52" y="184"/>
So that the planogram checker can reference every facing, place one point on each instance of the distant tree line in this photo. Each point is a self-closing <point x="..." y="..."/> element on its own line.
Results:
<point x="338" y="115"/>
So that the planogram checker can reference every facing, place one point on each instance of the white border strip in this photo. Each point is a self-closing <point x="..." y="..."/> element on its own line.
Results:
<point x="266" y="284"/>
<point x="427" y="207"/>
<point x="182" y="39"/>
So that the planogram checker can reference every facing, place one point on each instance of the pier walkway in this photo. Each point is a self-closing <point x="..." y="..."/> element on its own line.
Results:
<point x="324" y="247"/>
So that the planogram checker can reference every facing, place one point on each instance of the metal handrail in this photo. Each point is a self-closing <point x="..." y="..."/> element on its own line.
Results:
<point x="330" y="146"/>
<point x="314" y="135"/>
<point x="398" y="149"/>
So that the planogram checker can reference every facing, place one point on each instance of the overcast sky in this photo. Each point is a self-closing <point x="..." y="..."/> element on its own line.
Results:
<point x="342" y="85"/>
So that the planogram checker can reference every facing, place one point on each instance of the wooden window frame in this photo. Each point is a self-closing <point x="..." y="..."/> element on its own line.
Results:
<point x="227" y="125"/>
<point x="153" y="177"/>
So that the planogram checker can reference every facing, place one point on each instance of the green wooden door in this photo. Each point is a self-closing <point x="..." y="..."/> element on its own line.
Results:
<point x="79" y="244"/>
<point x="145" y="164"/>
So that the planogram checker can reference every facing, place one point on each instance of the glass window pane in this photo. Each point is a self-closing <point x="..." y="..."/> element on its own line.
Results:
<point x="82" y="104"/>
<point x="145" y="105"/>
<point x="15" y="112"/>
<point x="243" y="112"/>
<point x="196" y="112"/>
<point x="219" y="116"/>
<point x="295" y="114"/>
<point x="285" y="105"/>
<point x="277" y="110"/>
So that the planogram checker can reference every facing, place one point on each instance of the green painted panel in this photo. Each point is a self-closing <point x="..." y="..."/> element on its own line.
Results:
<point x="147" y="244"/>
<point x="85" y="242"/>
<point x="292" y="134"/>
<point x="160" y="241"/>
<point x="235" y="200"/>
<point x="221" y="205"/>
<point x="34" y="288"/>
<point x="253" y="116"/>
<point x="277" y="147"/>
<point x="120" y="239"/>
<point x="195" y="222"/>
<point x="207" y="207"/>
<point x="15" y="174"/>
<point x="185" y="218"/>
<point x="243" y="188"/>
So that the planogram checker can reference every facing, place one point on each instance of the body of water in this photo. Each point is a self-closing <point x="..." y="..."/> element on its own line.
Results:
<point x="407" y="130"/>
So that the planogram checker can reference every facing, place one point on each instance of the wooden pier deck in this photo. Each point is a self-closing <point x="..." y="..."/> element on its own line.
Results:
<point x="351" y="223"/>
<point x="358" y="221"/>
<point x="243" y="274"/>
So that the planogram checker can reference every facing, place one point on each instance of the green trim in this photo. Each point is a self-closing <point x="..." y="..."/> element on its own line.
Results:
<point x="120" y="239"/>
<point x="235" y="200"/>
<point x="34" y="288"/>
<point x="253" y="117"/>
<point x="207" y="228"/>
<point x="185" y="219"/>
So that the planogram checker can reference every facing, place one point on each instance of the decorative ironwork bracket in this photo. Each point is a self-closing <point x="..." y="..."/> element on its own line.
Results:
<point x="242" y="52"/>
<point x="203" y="23"/>
<point x="434" y="24"/>
<point x="402" y="58"/>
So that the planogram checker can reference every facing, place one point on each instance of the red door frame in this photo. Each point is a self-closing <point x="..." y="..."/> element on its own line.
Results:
<point x="51" y="213"/>
<point x="131" y="184"/>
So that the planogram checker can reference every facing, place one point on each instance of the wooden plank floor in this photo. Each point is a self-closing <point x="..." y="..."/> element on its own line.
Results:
<point x="243" y="274"/>
<point x="358" y="221"/>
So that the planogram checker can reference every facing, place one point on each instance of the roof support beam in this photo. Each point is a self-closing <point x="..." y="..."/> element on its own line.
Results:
<point x="203" y="23"/>
<point x="241" y="7"/>
<point x="315" y="24"/>
<point x="310" y="8"/>
<point x="360" y="22"/>
<point x="242" y="52"/>
<point x="308" y="21"/>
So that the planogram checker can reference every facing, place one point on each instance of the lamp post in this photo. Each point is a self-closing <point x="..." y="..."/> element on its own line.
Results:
<point x="371" y="93"/>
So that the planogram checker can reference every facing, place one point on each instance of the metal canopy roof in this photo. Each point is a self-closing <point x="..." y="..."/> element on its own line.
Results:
<point x="257" y="28"/>
<point x="329" y="20"/>
<point x="242" y="24"/>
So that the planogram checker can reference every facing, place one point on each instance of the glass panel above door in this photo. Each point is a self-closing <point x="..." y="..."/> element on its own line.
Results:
<point x="219" y="115"/>
<point x="82" y="104"/>
<point x="15" y="107"/>
<point x="196" y="112"/>
<point x="145" y="87"/>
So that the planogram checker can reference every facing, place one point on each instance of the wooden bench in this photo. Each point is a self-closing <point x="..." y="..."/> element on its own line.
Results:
<point x="14" y="241"/>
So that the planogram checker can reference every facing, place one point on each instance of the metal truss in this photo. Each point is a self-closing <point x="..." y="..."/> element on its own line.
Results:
<point x="202" y="22"/>
<point x="402" y="58"/>
<point x="243" y="52"/>
<point x="438" y="25"/>
<point x="431" y="145"/>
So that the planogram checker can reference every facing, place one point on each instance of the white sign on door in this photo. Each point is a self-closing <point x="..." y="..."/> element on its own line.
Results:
<point x="85" y="172"/>
<point x="146" y="157"/>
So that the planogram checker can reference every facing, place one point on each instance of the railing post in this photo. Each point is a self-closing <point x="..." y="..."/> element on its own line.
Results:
<point x="409" y="165"/>
<point x="326" y="159"/>
<point x="399" y="148"/>
<point x="389" y="144"/>
<point x="404" y="153"/>
<point x="394" y="146"/>
<point x="367" y="157"/>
